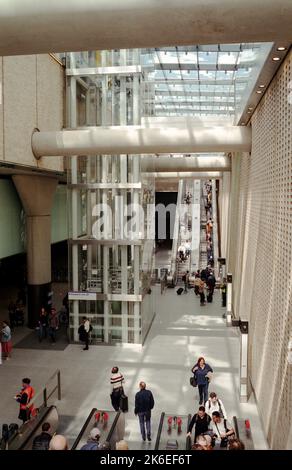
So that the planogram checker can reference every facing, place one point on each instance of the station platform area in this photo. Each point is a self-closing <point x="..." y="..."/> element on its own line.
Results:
<point x="181" y="332"/>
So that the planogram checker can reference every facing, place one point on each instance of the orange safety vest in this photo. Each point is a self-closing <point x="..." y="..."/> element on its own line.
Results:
<point x="30" y="393"/>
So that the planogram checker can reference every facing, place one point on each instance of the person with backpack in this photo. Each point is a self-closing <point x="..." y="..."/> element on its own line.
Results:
<point x="214" y="404"/>
<point x="93" y="440"/>
<point x="42" y="441"/>
<point x="201" y="421"/>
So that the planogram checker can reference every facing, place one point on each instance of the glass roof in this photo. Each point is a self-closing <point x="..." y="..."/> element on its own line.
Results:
<point x="200" y="80"/>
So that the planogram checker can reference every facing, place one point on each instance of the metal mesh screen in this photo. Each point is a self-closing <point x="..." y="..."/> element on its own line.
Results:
<point x="260" y="254"/>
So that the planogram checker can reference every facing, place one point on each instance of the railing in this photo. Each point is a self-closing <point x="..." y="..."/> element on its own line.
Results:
<point x="83" y="429"/>
<point x="44" y="394"/>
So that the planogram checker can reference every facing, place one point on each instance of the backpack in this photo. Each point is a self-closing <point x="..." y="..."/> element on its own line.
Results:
<point x="90" y="446"/>
<point x="220" y="409"/>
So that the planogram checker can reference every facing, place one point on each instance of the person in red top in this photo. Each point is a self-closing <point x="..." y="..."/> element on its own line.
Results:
<point x="24" y="398"/>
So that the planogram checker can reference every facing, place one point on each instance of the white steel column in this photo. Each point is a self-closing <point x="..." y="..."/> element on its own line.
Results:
<point x="136" y="201"/>
<point x="74" y="209"/>
<point x="104" y="171"/>
<point x="124" y="175"/>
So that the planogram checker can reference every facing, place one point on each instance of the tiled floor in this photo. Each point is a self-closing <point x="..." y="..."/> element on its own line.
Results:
<point x="181" y="332"/>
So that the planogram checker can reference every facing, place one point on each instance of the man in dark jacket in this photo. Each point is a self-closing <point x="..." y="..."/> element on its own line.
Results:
<point x="42" y="441"/>
<point x="144" y="403"/>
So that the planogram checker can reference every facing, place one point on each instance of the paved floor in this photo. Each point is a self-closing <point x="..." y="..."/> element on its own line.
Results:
<point x="181" y="332"/>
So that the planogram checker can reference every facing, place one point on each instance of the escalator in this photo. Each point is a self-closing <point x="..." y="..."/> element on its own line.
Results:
<point x="111" y="425"/>
<point x="172" y="432"/>
<point x="23" y="438"/>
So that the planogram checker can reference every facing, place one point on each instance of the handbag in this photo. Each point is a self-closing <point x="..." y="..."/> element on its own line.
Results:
<point x="193" y="381"/>
<point x="124" y="403"/>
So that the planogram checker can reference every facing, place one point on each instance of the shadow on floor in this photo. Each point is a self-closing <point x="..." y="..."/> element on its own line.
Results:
<point x="31" y="341"/>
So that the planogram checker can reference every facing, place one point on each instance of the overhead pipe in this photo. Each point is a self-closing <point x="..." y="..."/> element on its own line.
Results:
<point x="174" y="177"/>
<point x="30" y="27"/>
<point x="141" y="140"/>
<point x="184" y="164"/>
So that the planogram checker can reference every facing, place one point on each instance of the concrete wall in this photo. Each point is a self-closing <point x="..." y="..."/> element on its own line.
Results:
<point x="32" y="96"/>
<point x="260" y="255"/>
<point x="12" y="219"/>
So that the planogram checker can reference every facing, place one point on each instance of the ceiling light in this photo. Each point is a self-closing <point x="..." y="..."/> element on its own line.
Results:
<point x="276" y="58"/>
<point x="248" y="112"/>
<point x="250" y="109"/>
<point x="281" y="48"/>
<point x="259" y="92"/>
<point x="243" y="123"/>
<point x="262" y="86"/>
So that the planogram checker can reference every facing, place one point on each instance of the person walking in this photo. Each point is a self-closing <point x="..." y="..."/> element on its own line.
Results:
<point x="6" y="343"/>
<point x="215" y="404"/>
<point x="185" y="279"/>
<point x="144" y="403"/>
<point x="26" y="408"/>
<point x="53" y="325"/>
<point x="117" y="380"/>
<point x="84" y="330"/>
<point x="200" y="371"/>
<point x="202" y="293"/>
<point x="42" y="324"/>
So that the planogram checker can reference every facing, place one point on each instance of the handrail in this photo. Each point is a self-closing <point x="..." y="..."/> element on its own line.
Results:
<point x="28" y="430"/>
<point x="159" y="431"/>
<point x="113" y="426"/>
<point x="46" y="413"/>
<point x="236" y="427"/>
<point x="189" y="439"/>
<point x="44" y="393"/>
<point x="81" y="433"/>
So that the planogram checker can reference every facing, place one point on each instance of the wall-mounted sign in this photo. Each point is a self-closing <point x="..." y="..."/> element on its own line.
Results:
<point x="81" y="295"/>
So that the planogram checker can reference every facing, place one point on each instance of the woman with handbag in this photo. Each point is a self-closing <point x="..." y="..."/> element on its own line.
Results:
<point x="201" y="371"/>
<point x="117" y="380"/>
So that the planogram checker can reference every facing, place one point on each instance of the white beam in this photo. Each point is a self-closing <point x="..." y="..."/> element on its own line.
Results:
<point x="174" y="177"/>
<point x="30" y="26"/>
<point x="114" y="140"/>
<point x="184" y="164"/>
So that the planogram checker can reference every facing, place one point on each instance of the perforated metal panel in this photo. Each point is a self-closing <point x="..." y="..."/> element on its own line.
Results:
<point x="260" y="254"/>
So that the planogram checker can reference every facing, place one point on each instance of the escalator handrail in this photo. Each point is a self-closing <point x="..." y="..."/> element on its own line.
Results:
<point x="113" y="426"/>
<point x="189" y="439"/>
<point x="236" y="427"/>
<point x="33" y="430"/>
<point x="81" y="433"/>
<point x="159" y="431"/>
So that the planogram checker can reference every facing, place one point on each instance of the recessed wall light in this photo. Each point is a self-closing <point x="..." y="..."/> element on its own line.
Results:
<point x="248" y="112"/>
<point x="276" y="58"/>
<point x="250" y="109"/>
<point x="243" y="123"/>
<point x="259" y="92"/>
<point x="262" y="86"/>
<point x="281" y="48"/>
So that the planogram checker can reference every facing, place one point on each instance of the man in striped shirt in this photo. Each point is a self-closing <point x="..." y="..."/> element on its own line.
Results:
<point x="117" y="380"/>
